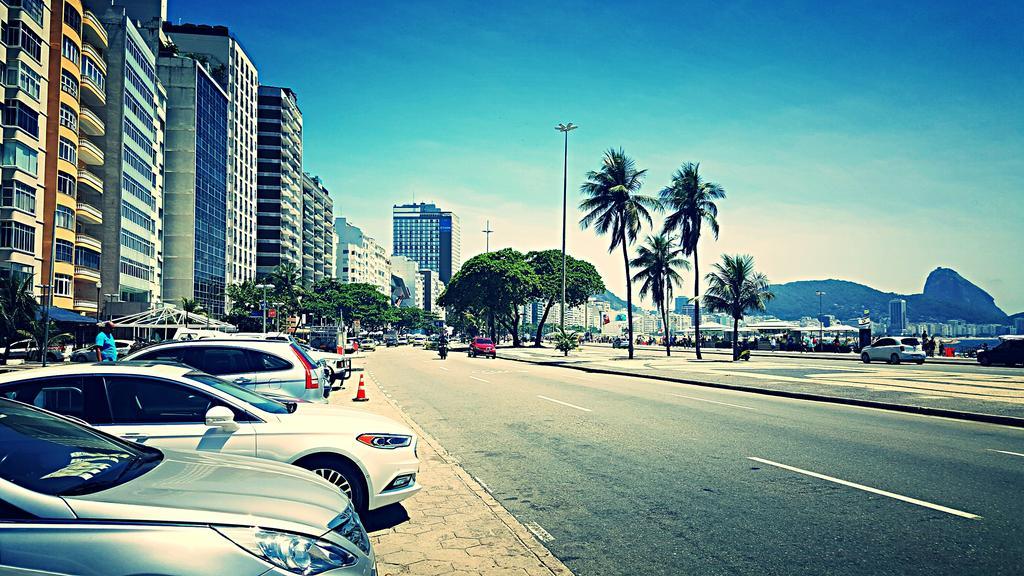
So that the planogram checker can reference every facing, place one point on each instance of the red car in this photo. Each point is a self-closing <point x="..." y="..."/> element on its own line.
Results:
<point x="482" y="347"/>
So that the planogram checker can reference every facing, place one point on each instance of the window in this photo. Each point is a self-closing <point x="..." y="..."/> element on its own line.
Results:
<point x="141" y="112"/>
<point x="17" y="236"/>
<point x="66" y="183"/>
<point x="67" y="150"/>
<point x="17" y="114"/>
<point x="141" y="59"/>
<point x="140" y="400"/>
<point x="135" y="188"/>
<point x="136" y="216"/>
<point x="18" y="155"/>
<point x="61" y="395"/>
<point x="19" y="195"/>
<point x="218" y="360"/>
<point x="65" y="217"/>
<point x="33" y="8"/>
<point x="19" y="36"/>
<point x="136" y="269"/>
<point x="137" y="243"/>
<point x="61" y="285"/>
<point x="20" y="75"/>
<point x="64" y="251"/>
<point x="68" y="83"/>
<point x="72" y="18"/>
<point x="139" y="163"/>
<point x="93" y="72"/>
<point x="262" y="362"/>
<point x="70" y="50"/>
<point x="136" y="81"/>
<point x="136" y="135"/>
<point x="68" y="117"/>
<point x="87" y="258"/>
<point x="165" y="355"/>
<point x="885" y="342"/>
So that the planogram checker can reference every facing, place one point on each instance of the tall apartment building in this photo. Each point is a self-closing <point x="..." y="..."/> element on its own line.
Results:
<point x="23" y="216"/>
<point x="358" y="258"/>
<point x="897" y="316"/>
<point x="317" y="235"/>
<point x="407" y="271"/>
<point x="279" y="180"/>
<point x="236" y="73"/>
<point x="428" y="235"/>
<point x="195" y="185"/>
<point x="127" y="185"/>
<point x="432" y="288"/>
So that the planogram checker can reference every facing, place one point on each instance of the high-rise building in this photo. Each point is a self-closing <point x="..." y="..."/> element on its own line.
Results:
<point x="428" y="235"/>
<point x="410" y="293"/>
<point x="23" y="210"/>
<point x="897" y="316"/>
<point x="317" y="237"/>
<point x="127" y="182"/>
<point x="195" y="184"/>
<point x="279" y="180"/>
<point x="432" y="288"/>
<point x="234" y="70"/>
<point x="359" y="258"/>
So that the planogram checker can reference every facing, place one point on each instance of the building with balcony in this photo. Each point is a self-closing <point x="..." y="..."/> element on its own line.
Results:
<point x="358" y="258"/>
<point x="234" y="70"/>
<point x="317" y="234"/>
<point x="279" y="180"/>
<point x="195" y="184"/>
<point x="24" y="213"/>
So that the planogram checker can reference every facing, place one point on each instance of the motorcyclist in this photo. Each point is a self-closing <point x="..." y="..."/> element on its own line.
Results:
<point x="442" y="345"/>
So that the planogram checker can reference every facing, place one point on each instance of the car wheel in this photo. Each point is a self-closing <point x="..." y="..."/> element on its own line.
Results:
<point x="343" y="474"/>
<point x="985" y="361"/>
<point x="894" y="359"/>
<point x="865" y="358"/>
<point x="920" y="362"/>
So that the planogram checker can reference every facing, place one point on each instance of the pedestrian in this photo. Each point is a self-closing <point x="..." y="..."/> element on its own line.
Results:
<point x="106" y="347"/>
<point x="942" y="348"/>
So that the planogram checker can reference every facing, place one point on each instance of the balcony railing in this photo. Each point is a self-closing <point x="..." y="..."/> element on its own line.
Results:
<point x="87" y="273"/>
<point x="90" y="178"/>
<point x="89" y="152"/>
<point x="86" y="241"/>
<point x="91" y="123"/>
<point x="91" y="51"/>
<point x="94" y="30"/>
<point x="89" y="213"/>
<point x="85" y="305"/>
<point x="96" y="94"/>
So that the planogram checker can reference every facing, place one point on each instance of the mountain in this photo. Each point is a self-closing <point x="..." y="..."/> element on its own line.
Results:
<point x="947" y="296"/>
<point x="614" y="301"/>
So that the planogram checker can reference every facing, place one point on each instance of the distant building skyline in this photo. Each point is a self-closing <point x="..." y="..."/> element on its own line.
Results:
<point x="429" y="236"/>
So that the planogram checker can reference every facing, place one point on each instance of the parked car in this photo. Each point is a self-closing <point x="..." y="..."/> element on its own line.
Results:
<point x="368" y="345"/>
<point x="620" y="343"/>
<point x="482" y="347"/>
<point x="372" y="459"/>
<point x="1009" y="352"/>
<point x="29" y="350"/>
<point x="894" y="350"/>
<point x="116" y="508"/>
<point x="260" y="365"/>
<point x="88" y="353"/>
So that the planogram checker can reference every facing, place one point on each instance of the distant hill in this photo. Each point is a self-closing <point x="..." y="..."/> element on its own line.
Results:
<point x="1017" y="315"/>
<point x="614" y="301"/>
<point x="947" y="296"/>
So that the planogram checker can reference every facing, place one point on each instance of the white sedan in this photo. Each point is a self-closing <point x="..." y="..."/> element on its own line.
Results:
<point x="372" y="459"/>
<point x="894" y="350"/>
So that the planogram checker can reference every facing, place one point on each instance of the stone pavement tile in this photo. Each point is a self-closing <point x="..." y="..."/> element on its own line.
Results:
<point x="454" y="526"/>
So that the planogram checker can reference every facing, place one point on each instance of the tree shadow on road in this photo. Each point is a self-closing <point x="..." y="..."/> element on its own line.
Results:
<point x="385" y="518"/>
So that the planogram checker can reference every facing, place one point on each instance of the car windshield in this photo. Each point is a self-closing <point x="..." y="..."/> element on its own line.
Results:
<point x="483" y="341"/>
<point x="261" y="402"/>
<point x="51" y="455"/>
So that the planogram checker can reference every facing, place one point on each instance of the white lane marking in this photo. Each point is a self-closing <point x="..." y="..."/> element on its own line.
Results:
<point x="480" y="379"/>
<point x="541" y="534"/>
<point x="564" y="403"/>
<point x="1006" y="452"/>
<point x="443" y="368"/>
<point x="713" y="401"/>
<point x="893" y="495"/>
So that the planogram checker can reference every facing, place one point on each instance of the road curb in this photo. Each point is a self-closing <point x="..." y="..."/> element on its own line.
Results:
<point x="840" y="357"/>
<point x="905" y="408"/>
<point x="523" y="534"/>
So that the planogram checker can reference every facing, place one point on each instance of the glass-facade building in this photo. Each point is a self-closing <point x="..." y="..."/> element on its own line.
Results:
<point x="429" y="236"/>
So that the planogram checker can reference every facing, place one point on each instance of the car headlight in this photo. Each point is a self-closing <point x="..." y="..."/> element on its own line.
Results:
<point x="348" y="526"/>
<point x="385" y="441"/>
<point x="292" y="552"/>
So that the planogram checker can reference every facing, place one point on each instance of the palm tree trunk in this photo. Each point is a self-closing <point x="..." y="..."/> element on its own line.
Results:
<point x="696" y="302"/>
<point x="735" y="337"/>
<point x="664" y="320"/>
<point x="543" y="320"/>
<point x="629" y="291"/>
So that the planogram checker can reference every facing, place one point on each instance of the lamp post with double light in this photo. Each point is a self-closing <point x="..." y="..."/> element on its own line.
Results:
<point x="564" y="129"/>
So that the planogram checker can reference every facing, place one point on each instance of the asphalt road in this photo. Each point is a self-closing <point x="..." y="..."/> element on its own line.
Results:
<point x="634" y="476"/>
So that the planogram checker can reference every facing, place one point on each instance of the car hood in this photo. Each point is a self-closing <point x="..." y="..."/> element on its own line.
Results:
<point x="208" y="488"/>
<point x="328" y="418"/>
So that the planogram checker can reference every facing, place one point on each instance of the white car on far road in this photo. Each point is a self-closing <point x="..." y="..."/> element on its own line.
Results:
<point x="894" y="349"/>
<point x="372" y="459"/>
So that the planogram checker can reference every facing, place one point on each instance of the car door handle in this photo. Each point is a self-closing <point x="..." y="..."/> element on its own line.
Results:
<point x="242" y="380"/>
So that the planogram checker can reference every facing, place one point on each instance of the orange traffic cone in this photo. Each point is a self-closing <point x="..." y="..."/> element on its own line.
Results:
<point x="360" y="392"/>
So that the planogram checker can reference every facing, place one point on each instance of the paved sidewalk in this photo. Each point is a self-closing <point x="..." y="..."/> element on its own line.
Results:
<point x="453" y="526"/>
<point x="840" y="357"/>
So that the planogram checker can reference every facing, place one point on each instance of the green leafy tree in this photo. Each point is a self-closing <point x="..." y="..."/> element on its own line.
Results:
<point x="192" y="306"/>
<point x="691" y="204"/>
<point x="734" y="287"/>
<point x="288" y="291"/>
<point x="493" y="286"/>
<point x="37" y="332"/>
<point x="411" y="319"/>
<point x="18" y="307"/>
<point x="358" y="301"/>
<point x="581" y="282"/>
<point x="658" y="263"/>
<point x="613" y="205"/>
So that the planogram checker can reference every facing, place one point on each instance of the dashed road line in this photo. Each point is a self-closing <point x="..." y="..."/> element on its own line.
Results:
<point x="711" y="401"/>
<point x="443" y="368"/>
<point x="564" y="403"/>
<point x="1006" y="452"/>
<point x="480" y="379"/>
<point x="892" y="495"/>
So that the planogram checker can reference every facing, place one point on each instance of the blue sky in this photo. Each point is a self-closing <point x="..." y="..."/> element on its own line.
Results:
<point x="862" y="141"/>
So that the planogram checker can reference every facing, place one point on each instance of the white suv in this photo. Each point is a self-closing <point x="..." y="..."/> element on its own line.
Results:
<point x="372" y="459"/>
<point x="894" y="350"/>
<point x="264" y="366"/>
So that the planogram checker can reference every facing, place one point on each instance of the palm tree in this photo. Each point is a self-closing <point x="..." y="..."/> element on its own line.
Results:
<point x="613" y="205"/>
<point x="18" y="308"/>
<point x="692" y="201"/>
<point x="192" y="306"/>
<point x="658" y="263"/>
<point x="734" y="288"/>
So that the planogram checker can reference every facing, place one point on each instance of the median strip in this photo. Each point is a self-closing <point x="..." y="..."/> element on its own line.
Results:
<point x="892" y="495"/>
<point x="564" y="403"/>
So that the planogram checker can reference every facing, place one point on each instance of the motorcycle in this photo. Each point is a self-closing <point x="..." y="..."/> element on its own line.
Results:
<point x="442" y="351"/>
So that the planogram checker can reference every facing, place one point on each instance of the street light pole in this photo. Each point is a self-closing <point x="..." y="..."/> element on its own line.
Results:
<point x="263" y="303"/>
<point x="564" y="129"/>
<point x="821" y="324"/>
<point x="487" y="233"/>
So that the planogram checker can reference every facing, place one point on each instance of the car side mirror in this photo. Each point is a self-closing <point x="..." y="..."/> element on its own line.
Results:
<point x="221" y="417"/>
